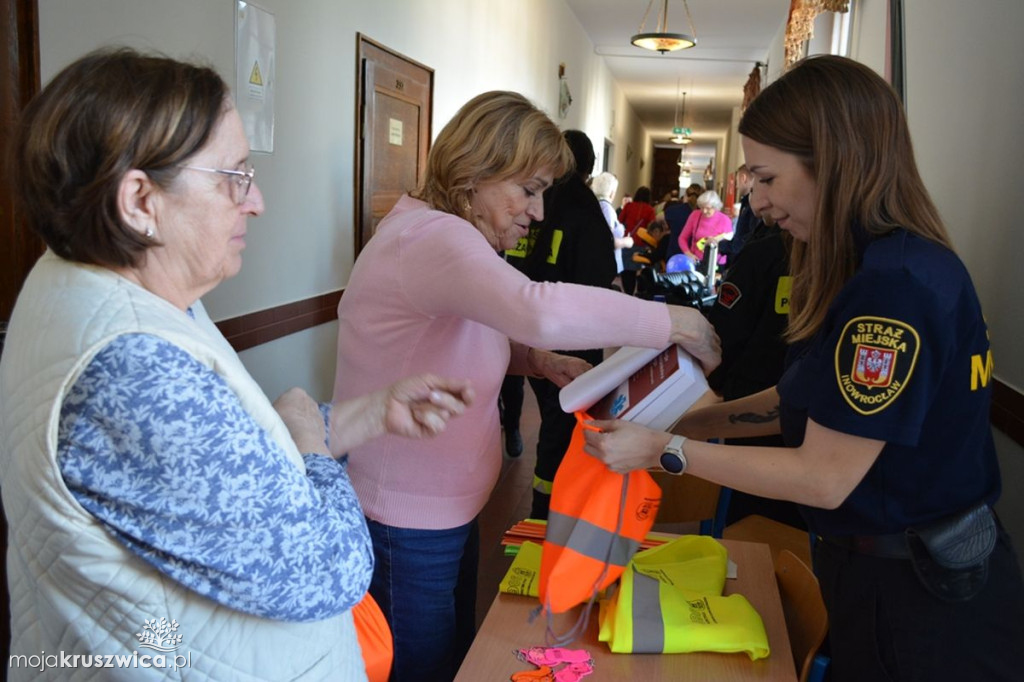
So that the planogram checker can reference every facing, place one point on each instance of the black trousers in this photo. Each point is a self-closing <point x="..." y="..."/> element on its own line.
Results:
<point x="883" y="625"/>
<point x="556" y="429"/>
<point x="510" y="401"/>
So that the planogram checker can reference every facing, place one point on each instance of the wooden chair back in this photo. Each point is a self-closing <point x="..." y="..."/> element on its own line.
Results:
<point x="806" y="619"/>
<point x="777" y="535"/>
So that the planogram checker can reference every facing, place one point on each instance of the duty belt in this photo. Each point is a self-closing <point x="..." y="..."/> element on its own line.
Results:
<point x="893" y="546"/>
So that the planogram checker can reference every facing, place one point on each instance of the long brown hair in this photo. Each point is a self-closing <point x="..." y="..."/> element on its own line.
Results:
<point x="848" y="127"/>
<point x="495" y="136"/>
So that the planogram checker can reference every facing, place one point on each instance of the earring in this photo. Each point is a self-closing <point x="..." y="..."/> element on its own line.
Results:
<point x="149" y="232"/>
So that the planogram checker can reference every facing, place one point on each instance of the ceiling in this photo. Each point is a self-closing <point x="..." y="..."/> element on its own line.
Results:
<point x="732" y="36"/>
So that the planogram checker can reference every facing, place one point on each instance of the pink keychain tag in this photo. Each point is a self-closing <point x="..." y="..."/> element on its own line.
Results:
<point x="575" y="664"/>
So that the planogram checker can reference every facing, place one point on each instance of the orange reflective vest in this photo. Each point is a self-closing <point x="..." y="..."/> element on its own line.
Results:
<point x="596" y="522"/>
<point x="374" y="637"/>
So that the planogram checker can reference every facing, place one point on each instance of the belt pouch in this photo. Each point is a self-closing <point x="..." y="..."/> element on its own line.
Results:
<point x="950" y="556"/>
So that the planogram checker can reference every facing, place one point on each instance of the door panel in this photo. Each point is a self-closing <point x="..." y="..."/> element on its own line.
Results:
<point x="19" y="64"/>
<point x="393" y="129"/>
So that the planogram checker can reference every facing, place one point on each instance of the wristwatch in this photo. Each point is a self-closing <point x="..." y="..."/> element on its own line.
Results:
<point x="673" y="460"/>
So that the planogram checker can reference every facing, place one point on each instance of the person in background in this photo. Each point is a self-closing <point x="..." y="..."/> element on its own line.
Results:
<point x="706" y="223"/>
<point x="666" y="199"/>
<point x="571" y="244"/>
<point x="510" y="412"/>
<point x="884" y="404"/>
<point x="653" y="245"/>
<point x="431" y="292"/>
<point x="638" y="212"/>
<point x="750" y="316"/>
<point x="145" y="474"/>
<point x="745" y="219"/>
<point x="676" y="215"/>
<point x="604" y="186"/>
<point x="634" y="215"/>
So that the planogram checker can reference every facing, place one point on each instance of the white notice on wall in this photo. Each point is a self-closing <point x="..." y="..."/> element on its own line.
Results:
<point x="395" y="131"/>
<point x="255" y="45"/>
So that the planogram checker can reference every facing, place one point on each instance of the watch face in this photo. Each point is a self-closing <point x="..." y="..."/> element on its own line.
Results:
<point x="671" y="462"/>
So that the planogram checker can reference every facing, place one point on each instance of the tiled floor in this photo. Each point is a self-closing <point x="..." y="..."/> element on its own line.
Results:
<point x="510" y="503"/>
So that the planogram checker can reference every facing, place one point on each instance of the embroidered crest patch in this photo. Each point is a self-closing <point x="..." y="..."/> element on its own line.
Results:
<point x="875" y="358"/>
<point x="728" y="294"/>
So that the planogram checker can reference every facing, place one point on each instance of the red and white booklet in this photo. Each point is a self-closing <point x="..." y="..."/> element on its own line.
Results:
<point x="643" y="385"/>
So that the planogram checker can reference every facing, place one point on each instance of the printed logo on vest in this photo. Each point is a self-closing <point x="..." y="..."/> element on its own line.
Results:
<point x="647" y="508"/>
<point x="875" y="358"/>
<point x="728" y="295"/>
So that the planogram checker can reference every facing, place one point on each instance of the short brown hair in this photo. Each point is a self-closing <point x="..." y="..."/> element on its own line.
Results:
<point x="110" y="111"/>
<point x="495" y="136"/>
<point x="847" y="126"/>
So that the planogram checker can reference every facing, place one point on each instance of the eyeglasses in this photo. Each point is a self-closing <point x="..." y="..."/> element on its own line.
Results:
<point x="240" y="183"/>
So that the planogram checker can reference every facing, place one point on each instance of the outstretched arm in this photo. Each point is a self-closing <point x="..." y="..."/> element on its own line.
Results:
<point x="414" y="407"/>
<point x="747" y="417"/>
<point x="822" y="472"/>
<point x="556" y="368"/>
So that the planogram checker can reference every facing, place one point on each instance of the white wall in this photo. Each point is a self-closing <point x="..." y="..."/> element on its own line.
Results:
<point x="303" y="244"/>
<point x="965" y="92"/>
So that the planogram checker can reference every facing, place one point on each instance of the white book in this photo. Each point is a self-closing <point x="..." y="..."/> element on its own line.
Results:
<point x="647" y="386"/>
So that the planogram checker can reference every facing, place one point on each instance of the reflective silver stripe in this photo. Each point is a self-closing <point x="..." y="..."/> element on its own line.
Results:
<point x="648" y="624"/>
<point x="590" y="540"/>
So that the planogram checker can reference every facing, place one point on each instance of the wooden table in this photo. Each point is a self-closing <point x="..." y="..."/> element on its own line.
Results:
<point x="506" y="628"/>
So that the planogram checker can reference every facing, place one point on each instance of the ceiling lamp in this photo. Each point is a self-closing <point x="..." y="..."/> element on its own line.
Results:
<point x="681" y="135"/>
<point x="661" y="40"/>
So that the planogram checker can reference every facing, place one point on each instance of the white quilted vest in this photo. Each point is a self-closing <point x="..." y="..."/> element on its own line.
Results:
<point x="76" y="590"/>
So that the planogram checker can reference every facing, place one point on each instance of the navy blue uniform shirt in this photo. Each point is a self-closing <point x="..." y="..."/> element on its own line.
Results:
<point x="903" y="357"/>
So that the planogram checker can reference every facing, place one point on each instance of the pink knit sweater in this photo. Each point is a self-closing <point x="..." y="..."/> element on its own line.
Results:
<point x="429" y="294"/>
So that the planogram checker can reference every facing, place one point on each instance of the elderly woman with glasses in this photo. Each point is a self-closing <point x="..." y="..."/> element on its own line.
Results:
<point x="431" y="292"/>
<point x="707" y="223"/>
<point x="149" y="485"/>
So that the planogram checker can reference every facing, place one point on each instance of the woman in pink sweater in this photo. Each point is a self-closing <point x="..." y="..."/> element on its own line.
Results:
<point x="706" y="223"/>
<point x="432" y="293"/>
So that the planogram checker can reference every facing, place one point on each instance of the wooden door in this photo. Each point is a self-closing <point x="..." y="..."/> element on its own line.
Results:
<point x="392" y="132"/>
<point x="19" y="64"/>
<point x="665" y="174"/>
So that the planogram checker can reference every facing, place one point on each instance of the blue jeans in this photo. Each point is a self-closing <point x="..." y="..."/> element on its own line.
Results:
<point x="425" y="583"/>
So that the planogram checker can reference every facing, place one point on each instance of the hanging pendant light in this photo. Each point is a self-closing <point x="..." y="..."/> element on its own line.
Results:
<point x="680" y="134"/>
<point x="662" y="40"/>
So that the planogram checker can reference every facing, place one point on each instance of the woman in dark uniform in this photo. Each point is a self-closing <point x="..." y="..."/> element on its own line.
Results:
<point x="884" y="404"/>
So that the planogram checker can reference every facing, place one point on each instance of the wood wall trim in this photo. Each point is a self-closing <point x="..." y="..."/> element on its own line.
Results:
<point x="1008" y="411"/>
<point x="253" y="329"/>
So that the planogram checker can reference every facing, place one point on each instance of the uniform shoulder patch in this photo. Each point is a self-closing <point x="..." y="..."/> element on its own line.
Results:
<point x="728" y="294"/>
<point x="783" y="291"/>
<point x="875" y="358"/>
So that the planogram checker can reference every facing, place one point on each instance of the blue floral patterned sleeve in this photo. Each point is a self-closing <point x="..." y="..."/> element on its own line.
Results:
<point x="161" y="451"/>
